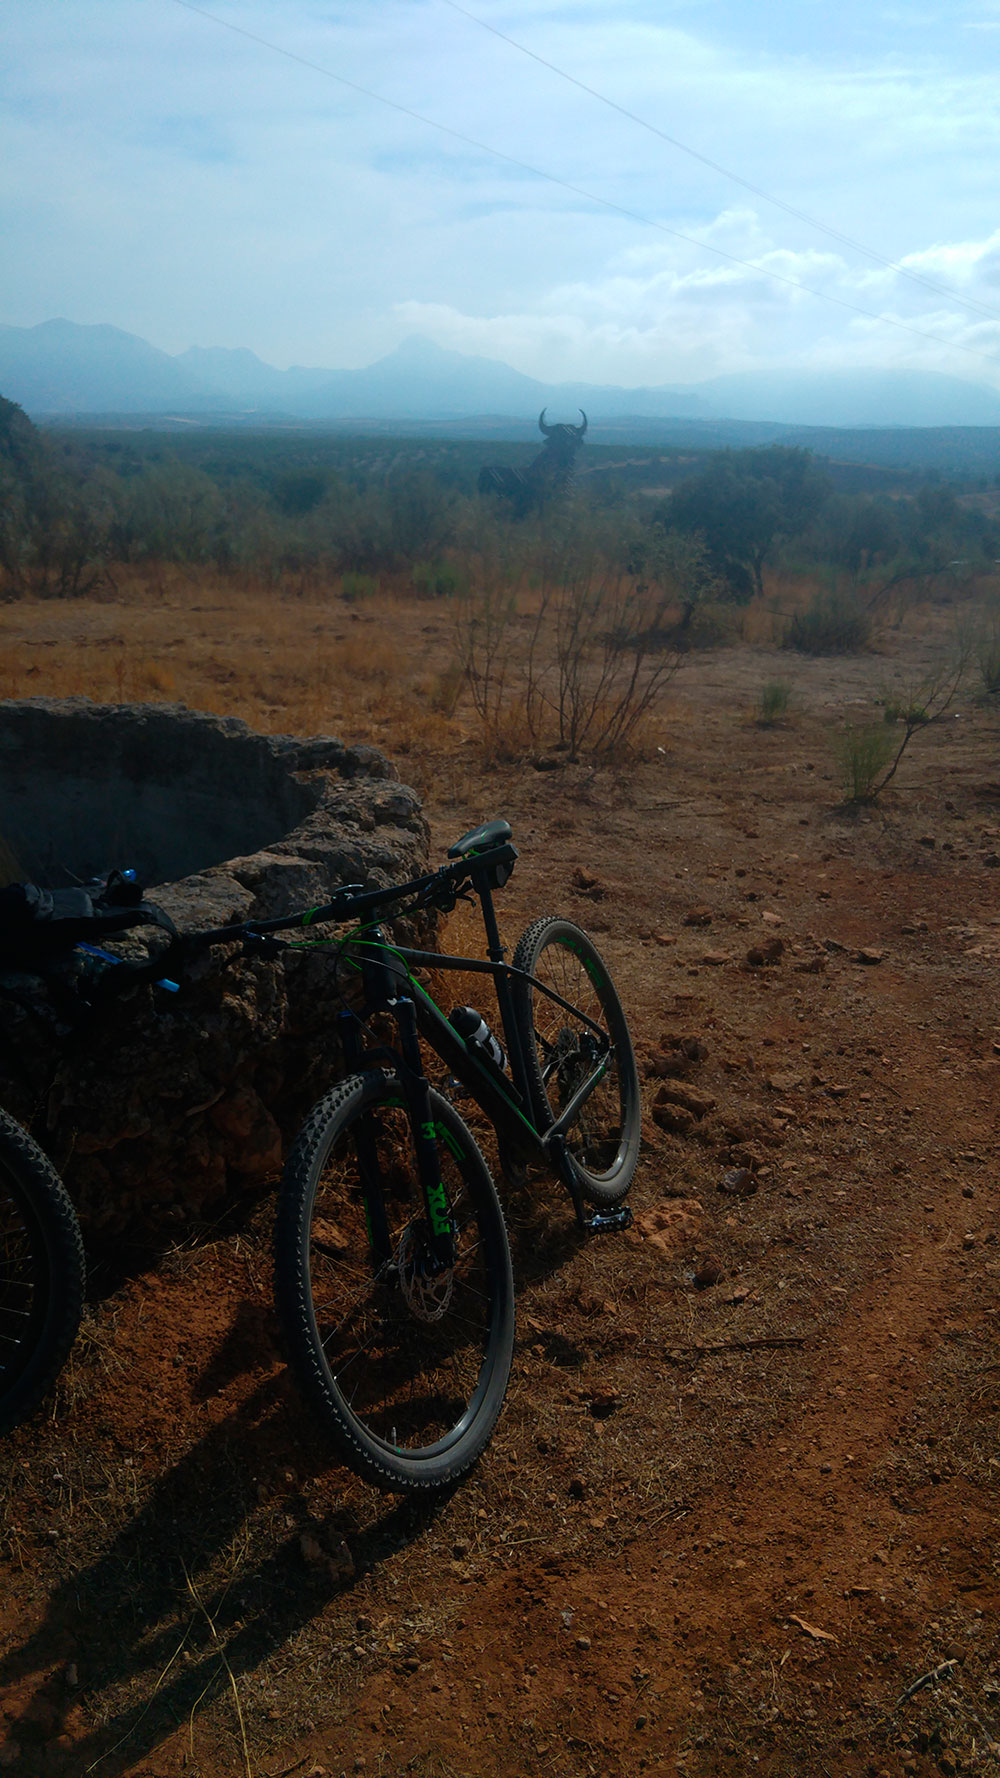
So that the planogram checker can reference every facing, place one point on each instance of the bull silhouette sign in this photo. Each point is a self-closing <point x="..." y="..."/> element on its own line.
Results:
<point x="547" y="477"/>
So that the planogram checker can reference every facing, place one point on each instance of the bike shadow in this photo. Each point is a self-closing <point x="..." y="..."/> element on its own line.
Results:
<point x="174" y="1611"/>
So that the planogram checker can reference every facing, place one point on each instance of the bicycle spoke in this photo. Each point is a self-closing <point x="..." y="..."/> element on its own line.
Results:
<point x="404" y="1373"/>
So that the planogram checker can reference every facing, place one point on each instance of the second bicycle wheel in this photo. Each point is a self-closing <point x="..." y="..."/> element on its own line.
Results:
<point x="405" y="1357"/>
<point x="41" y="1273"/>
<point x="561" y="1050"/>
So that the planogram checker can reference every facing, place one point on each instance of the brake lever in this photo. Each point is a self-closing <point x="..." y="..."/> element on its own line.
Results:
<point x="263" y="944"/>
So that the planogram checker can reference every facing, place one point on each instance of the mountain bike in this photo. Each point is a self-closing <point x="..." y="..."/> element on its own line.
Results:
<point x="41" y="1273"/>
<point x="393" y="1277"/>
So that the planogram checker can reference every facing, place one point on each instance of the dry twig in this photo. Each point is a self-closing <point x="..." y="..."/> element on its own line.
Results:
<point x="209" y="1619"/>
<point x="925" y="1679"/>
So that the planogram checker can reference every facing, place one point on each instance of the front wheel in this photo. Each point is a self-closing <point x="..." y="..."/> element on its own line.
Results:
<point x="41" y="1273"/>
<point x="561" y="1050"/>
<point x="402" y="1341"/>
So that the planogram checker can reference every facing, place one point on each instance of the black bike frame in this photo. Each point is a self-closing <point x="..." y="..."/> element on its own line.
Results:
<point x="512" y="1120"/>
<point x="508" y="1107"/>
<point x="391" y="987"/>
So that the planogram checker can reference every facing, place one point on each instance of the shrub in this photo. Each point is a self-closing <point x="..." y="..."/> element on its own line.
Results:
<point x="714" y="623"/>
<point x="355" y="587"/>
<point x="909" y="711"/>
<point x="864" y="753"/>
<point x="437" y="580"/>
<point x="832" y="623"/>
<point x="447" y="689"/>
<point x="871" y="754"/>
<point x="773" y="703"/>
<point x="602" y="649"/>
<point x="988" y="658"/>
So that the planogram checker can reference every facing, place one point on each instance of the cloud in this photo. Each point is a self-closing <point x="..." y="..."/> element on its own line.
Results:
<point x="662" y="314"/>
<point x="181" y="180"/>
<point x="964" y="264"/>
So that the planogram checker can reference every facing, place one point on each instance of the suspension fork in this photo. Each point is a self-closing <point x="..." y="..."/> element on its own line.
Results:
<point x="416" y="1088"/>
<point x="416" y="1092"/>
<point x="372" y="1199"/>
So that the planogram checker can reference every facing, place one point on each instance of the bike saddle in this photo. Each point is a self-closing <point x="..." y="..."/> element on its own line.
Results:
<point x="481" y="839"/>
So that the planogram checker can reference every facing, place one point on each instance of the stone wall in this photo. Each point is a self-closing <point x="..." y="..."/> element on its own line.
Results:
<point x="164" y="1106"/>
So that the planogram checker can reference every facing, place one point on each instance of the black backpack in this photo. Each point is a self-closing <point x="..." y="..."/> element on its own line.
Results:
<point x="38" y="927"/>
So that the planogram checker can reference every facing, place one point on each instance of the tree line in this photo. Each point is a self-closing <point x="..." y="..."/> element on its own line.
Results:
<point x="73" y="507"/>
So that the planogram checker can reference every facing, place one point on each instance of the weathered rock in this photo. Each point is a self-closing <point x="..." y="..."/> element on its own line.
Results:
<point x="785" y="1080"/>
<point x="737" y="1182"/>
<point x="584" y="882"/>
<point x="768" y="952"/>
<point x="700" y="916"/>
<point x="669" y="1225"/>
<point x="693" y="1099"/>
<point x="673" y="1118"/>
<point x="677" y="1056"/>
<point x="604" y="1402"/>
<point x="164" y="1105"/>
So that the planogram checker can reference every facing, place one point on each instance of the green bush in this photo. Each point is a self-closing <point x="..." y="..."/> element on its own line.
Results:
<point x="832" y="623"/>
<point x="911" y="712"/>
<point x="355" y="587"/>
<point x="988" y="658"/>
<point x="774" y="701"/>
<point x="437" y="580"/>
<point x="864" y="752"/>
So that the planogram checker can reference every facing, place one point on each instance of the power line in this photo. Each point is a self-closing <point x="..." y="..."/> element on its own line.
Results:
<point x="727" y="173"/>
<point x="578" y="191"/>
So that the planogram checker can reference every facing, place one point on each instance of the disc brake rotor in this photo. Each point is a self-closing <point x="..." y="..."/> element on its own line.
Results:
<point x="425" y="1283"/>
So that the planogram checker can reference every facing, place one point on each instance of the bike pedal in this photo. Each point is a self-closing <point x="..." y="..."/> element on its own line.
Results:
<point x="608" y="1222"/>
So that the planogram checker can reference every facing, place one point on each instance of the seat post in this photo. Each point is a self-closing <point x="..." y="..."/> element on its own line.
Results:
<point x="495" y="949"/>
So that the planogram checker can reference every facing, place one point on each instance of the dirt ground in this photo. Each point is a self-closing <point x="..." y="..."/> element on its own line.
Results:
<point x="739" y="1513"/>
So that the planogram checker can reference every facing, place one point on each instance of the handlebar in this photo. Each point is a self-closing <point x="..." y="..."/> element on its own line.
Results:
<point x="440" y="889"/>
<point x="478" y="870"/>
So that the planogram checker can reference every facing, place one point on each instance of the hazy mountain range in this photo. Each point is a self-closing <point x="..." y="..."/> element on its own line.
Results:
<point x="59" y="368"/>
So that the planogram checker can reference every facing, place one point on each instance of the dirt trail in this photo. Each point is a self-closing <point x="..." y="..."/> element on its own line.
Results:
<point x="744" y="1558"/>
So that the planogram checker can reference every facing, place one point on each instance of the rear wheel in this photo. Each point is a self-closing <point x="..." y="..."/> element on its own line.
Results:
<point x="561" y="1049"/>
<point x="403" y="1351"/>
<point x="41" y="1273"/>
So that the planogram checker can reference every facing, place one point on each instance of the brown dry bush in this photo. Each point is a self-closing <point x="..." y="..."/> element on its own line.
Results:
<point x="577" y="657"/>
<point x="833" y="622"/>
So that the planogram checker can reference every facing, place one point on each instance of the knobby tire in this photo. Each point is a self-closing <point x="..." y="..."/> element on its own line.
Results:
<point x="408" y="1380"/>
<point x="558" y="1050"/>
<point x="41" y="1273"/>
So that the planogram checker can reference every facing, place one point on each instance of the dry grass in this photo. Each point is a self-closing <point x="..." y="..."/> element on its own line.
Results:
<point x="284" y="663"/>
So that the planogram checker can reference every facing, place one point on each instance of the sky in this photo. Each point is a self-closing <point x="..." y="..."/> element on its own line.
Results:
<point x="202" y="185"/>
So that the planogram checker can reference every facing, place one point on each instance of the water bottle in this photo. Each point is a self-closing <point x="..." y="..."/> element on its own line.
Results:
<point x="479" y="1038"/>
